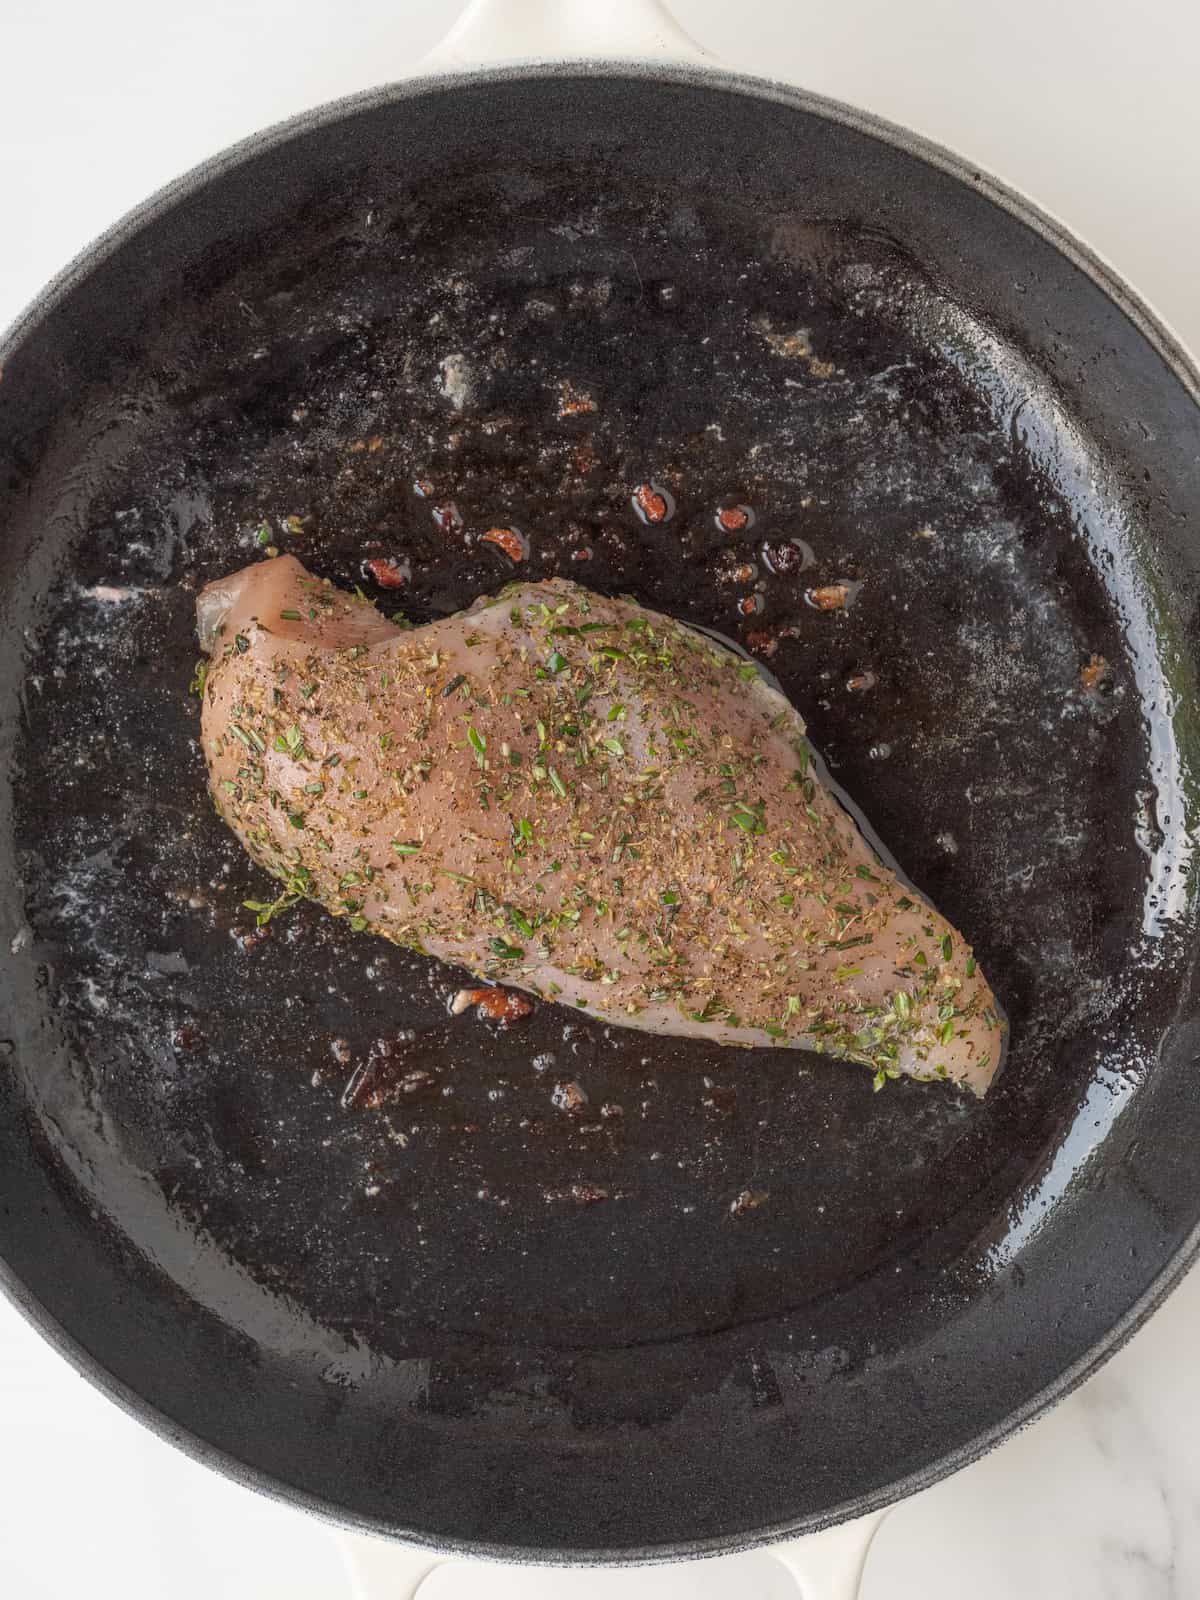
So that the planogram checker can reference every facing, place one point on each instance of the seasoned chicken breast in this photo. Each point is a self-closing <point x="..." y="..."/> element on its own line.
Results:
<point x="584" y="799"/>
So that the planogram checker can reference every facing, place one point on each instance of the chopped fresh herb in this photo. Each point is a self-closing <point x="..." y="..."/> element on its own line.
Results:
<point x="556" y="661"/>
<point x="456" y="682"/>
<point x="506" y="951"/>
<point x="614" y="747"/>
<point x="358" y="923"/>
<point x="292" y="743"/>
<point x="711" y="1010"/>
<point x="290" y="616"/>
<point x="296" y="887"/>
<point x="405" y="848"/>
<point x="262" y="535"/>
<point x="199" y="678"/>
<point x="520" y="921"/>
<point x="947" y="947"/>
<point x="556" y="783"/>
<point x="296" y="819"/>
<point x="669" y="897"/>
<point x="971" y="967"/>
<point x="251" y="739"/>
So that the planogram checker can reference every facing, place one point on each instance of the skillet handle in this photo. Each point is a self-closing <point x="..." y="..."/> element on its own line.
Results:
<point x="378" y="1569"/>
<point x="826" y="1566"/>
<point x="829" y="1565"/>
<point x="490" y="31"/>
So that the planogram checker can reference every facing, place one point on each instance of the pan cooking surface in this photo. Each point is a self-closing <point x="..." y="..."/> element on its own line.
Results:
<point x="389" y="378"/>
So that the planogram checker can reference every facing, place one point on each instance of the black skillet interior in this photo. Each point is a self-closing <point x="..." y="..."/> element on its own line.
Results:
<point x="440" y="1303"/>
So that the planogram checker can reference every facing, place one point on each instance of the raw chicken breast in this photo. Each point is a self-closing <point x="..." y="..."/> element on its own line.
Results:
<point x="584" y="799"/>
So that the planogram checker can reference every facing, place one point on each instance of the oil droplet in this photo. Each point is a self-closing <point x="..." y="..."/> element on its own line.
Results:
<point x="387" y="572"/>
<point x="735" y="519"/>
<point x="512" y="541"/>
<point x="839" y="596"/>
<point x="570" y="1097"/>
<point x="653" y="502"/>
<point x="448" y="517"/>
<point x="786" y="557"/>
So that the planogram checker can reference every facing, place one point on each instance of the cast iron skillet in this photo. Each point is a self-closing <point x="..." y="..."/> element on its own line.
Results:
<point x="737" y="1295"/>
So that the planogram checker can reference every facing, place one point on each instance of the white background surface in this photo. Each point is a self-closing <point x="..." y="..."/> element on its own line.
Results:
<point x="1091" y="107"/>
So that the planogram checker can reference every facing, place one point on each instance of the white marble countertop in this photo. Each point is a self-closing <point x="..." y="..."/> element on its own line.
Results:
<point x="1089" y="106"/>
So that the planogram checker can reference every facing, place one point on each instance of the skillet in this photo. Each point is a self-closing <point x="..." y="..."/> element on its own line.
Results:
<point x="455" y="1314"/>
